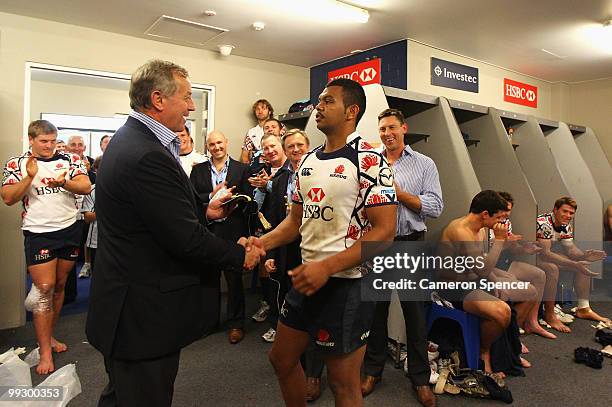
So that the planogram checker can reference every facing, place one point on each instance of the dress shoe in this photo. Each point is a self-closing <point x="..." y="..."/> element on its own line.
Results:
<point x="368" y="383"/>
<point x="235" y="335"/>
<point x="425" y="396"/>
<point x="313" y="388"/>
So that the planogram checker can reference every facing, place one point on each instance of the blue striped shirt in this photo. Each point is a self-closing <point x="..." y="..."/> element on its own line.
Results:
<point x="417" y="174"/>
<point x="167" y="137"/>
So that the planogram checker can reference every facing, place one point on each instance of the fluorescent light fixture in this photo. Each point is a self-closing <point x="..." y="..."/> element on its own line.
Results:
<point x="332" y="11"/>
<point x="350" y="12"/>
<point x="599" y="35"/>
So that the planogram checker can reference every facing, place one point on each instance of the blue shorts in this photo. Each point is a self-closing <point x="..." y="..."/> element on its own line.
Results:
<point x="335" y="317"/>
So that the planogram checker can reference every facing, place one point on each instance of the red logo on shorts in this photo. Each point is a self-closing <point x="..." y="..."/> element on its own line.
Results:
<point x="75" y="253"/>
<point x="323" y="336"/>
<point x="44" y="251"/>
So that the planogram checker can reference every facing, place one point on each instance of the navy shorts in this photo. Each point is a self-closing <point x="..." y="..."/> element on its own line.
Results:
<point x="336" y="319"/>
<point x="43" y="247"/>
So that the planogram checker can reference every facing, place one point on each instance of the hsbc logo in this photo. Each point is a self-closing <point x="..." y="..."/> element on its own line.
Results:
<point x="316" y="194"/>
<point x="367" y="74"/>
<point x="520" y="93"/>
<point x="363" y="73"/>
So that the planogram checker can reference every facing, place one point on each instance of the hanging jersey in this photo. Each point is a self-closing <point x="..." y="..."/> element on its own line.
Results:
<point x="252" y="140"/>
<point x="191" y="159"/>
<point x="46" y="209"/>
<point x="545" y="229"/>
<point x="334" y="190"/>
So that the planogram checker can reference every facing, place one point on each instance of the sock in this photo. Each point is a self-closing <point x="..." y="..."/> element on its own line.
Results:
<point x="582" y="303"/>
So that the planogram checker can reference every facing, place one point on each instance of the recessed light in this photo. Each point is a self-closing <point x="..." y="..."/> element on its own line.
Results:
<point x="210" y="13"/>
<point x="258" y="26"/>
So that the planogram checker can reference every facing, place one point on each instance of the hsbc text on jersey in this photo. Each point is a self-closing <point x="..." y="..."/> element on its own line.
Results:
<point x="325" y="213"/>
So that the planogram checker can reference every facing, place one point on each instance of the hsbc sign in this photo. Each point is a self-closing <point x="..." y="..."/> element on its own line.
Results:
<point x="520" y="93"/>
<point x="364" y="73"/>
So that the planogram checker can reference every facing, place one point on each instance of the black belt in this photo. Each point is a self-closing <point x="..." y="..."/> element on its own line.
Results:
<point x="411" y="237"/>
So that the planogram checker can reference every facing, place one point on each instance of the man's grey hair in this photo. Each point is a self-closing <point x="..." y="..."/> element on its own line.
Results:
<point x="154" y="75"/>
<point x="75" y="136"/>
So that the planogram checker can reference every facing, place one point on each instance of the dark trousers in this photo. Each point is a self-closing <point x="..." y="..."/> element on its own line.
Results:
<point x="143" y="383"/>
<point x="92" y="257"/>
<point x="235" y="299"/>
<point x="416" y="335"/>
<point x="416" y="342"/>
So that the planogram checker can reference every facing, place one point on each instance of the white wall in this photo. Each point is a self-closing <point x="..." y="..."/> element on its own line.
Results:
<point x="239" y="81"/>
<point x="491" y="87"/>
<point x="590" y="104"/>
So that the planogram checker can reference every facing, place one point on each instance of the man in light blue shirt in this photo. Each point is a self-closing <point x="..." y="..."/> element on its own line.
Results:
<point x="419" y="193"/>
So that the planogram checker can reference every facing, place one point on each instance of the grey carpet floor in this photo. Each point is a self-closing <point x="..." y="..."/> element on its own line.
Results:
<point x="214" y="373"/>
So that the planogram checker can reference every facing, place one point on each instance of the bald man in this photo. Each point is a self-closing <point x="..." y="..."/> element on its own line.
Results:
<point x="221" y="168"/>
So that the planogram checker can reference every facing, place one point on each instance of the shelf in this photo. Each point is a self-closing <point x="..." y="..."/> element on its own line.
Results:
<point x="412" y="138"/>
<point x="576" y="129"/>
<point x="547" y="125"/>
<point x="296" y="119"/>
<point x="471" y="142"/>
<point x="511" y="119"/>
<point x="464" y="112"/>
<point x="410" y="103"/>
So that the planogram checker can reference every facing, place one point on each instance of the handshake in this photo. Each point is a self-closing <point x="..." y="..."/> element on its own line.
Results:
<point x="254" y="251"/>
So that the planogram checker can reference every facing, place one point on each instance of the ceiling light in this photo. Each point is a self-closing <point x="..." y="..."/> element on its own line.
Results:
<point x="599" y="35"/>
<point x="226" y="49"/>
<point x="258" y="26"/>
<point x="332" y="11"/>
<point x="210" y="13"/>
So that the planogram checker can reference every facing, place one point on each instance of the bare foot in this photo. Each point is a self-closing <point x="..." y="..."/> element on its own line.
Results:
<point x="558" y="325"/>
<point x="588" y="313"/>
<point x="45" y="366"/>
<point x="486" y="358"/>
<point x="498" y="375"/>
<point x="58" y="346"/>
<point x="525" y="363"/>
<point x="524" y="348"/>
<point x="538" y="330"/>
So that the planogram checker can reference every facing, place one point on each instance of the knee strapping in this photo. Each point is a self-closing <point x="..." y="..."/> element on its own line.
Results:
<point x="40" y="298"/>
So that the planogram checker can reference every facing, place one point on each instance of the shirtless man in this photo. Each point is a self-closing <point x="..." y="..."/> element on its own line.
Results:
<point x="466" y="236"/>
<point x="527" y="313"/>
<point x="556" y="227"/>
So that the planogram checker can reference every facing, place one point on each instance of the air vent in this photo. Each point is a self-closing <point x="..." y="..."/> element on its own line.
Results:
<point x="183" y="31"/>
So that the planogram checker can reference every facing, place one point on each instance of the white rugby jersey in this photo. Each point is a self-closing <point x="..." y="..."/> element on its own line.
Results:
<point x="545" y="229"/>
<point x="252" y="140"/>
<point x="46" y="209"/>
<point x="191" y="159"/>
<point x="334" y="190"/>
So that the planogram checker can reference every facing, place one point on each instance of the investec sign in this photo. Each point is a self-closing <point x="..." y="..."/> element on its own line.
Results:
<point x="364" y="73"/>
<point x="451" y="75"/>
<point x="520" y="93"/>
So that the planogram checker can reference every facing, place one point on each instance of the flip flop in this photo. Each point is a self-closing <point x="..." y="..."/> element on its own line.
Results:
<point x="607" y="351"/>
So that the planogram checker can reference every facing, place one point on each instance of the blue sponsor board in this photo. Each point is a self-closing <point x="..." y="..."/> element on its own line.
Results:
<point x="452" y="75"/>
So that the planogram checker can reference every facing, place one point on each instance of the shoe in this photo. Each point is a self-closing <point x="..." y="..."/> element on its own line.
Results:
<point x="85" y="271"/>
<point x="313" y="388"/>
<point x="563" y="317"/>
<point x="603" y="337"/>
<point x="368" y="383"/>
<point x="432" y="351"/>
<point x="262" y="313"/>
<point x="235" y="335"/>
<point x="269" y="336"/>
<point x="425" y="396"/>
<point x="590" y="357"/>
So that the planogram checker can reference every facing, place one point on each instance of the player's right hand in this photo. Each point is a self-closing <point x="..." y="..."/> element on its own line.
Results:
<point x="581" y="266"/>
<point x="32" y="166"/>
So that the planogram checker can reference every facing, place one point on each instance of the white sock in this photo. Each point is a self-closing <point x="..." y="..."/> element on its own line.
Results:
<point x="582" y="303"/>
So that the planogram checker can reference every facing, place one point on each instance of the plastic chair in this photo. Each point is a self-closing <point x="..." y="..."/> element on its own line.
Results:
<point x="470" y="328"/>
